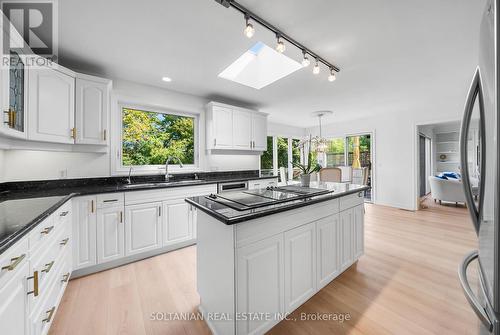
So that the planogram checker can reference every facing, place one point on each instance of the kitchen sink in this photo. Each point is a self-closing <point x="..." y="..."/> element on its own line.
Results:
<point x="163" y="183"/>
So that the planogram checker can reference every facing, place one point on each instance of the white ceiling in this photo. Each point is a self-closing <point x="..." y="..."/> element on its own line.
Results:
<point x="394" y="55"/>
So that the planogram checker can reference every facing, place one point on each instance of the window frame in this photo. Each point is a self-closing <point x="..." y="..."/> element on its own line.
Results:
<point x="117" y="142"/>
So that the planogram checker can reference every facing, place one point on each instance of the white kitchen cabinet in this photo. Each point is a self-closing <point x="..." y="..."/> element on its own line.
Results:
<point x="92" y="109"/>
<point x="84" y="231"/>
<point x="110" y="234"/>
<point x="221" y="129"/>
<point x="300" y="265"/>
<point x="177" y="222"/>
<point x="235" y="128"/>
<point x="13" y="302"/>
<point x="242" y="132"/>
<point x="347" y="238"/>
<point x="259" y="132"/>
<point x="260" y="287"/>
<point x="328" y="245"/>
<point x="359" y="230"/>
<point x="51" y="105"/>
<point x="142" y="227"/>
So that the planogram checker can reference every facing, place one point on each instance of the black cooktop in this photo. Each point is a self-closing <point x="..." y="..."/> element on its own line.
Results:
<point x="244" y="200"/>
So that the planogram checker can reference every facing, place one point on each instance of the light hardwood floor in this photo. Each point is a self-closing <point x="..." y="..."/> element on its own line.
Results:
<point x="406" y="283"/>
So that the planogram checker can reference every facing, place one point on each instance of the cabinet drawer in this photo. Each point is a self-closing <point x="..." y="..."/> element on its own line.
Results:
<point x="110" y="200"/>
<point x="351" y="200"/>
<point x="63" y="214"/>
<point x="43" y="232"/>
<point x="12" y="260"/>
<point x="42" y="316"/>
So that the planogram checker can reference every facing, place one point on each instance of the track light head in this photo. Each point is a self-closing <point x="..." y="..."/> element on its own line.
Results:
<point x="280" y="46"/>
<point x="249" y="30"/>
<point x="332" y="76"/>
<point x="316" y="67"/>
<point x="305" y="59"/>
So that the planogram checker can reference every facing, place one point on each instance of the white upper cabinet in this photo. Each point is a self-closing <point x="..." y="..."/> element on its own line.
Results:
<point x="234" y="128"/>
<point x="259" y="132"/>
<point x="242" y="133"/>
<point x="51" y="105"/>
<point x="92" y="109"/>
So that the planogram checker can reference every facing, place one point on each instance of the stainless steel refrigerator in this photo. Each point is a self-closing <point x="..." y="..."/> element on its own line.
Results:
<point x="482" y="192"/>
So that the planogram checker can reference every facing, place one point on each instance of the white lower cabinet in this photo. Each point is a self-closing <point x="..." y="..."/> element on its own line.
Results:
<point x="13" y="302"/>
<point x="347" y="237"/>
<point x="84" y="232"/>
<point x="142" y="227"/>
<point x="359" y="230"/>
<point x="328" y="245"/>
<point x="260" y="287"/>
<point x="110" y="234"/>
<point x="300" y="265"/>
<point x="177" y="222"/>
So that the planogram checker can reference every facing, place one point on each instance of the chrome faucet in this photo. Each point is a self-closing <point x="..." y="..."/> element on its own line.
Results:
<point x="170" y="158"/>
<point x="129" y="181"/>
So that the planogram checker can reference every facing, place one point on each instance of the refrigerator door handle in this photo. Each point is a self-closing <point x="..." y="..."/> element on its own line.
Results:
<point x="469" y="294"/>
<point x="475" y="92"/>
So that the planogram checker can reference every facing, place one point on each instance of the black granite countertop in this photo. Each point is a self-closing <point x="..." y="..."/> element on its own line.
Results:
<point x="35" y="200"/>
<point x="231" y="216"/>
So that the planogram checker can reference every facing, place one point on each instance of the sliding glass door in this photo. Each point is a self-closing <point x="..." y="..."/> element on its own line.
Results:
<point x="359" y="158"/>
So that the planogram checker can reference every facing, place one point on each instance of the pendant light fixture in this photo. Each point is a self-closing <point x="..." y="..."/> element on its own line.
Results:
<point x="320" y="143"/>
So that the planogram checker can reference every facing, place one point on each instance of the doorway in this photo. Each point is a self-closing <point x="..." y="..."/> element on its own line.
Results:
<point x="425" y="164"/>
<point x="359" y="155"/>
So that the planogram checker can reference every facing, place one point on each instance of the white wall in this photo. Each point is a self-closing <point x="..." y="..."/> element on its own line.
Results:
<point x="39" y="165"/>
<point x="1" y="166"/>
<point x="395" y="149"/>
<point x="275" y="129"/>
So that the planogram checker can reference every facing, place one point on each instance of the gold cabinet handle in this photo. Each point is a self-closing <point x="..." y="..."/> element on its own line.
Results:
<point x="50" y="313"/>
<point x="104" y="135"/>
<point x="64" y="213"/>
<point x="14" y="263"/>
<point x="35" y="284"/>
<point x="48" y="266"/>
<point x="121" y="217"/>
<point x="65" y="278"/>
<point x="10" y="118"/>
<point x="92" y="206"/>
<point x="65" y="241"/>
<point x="47" y="230"/>
<point x="73" y="132"/>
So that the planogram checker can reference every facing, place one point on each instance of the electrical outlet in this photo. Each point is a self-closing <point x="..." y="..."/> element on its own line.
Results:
<point x="63" y="174"/>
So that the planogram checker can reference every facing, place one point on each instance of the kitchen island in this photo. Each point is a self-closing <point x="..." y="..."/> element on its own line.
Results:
<point x="263" y="253"/>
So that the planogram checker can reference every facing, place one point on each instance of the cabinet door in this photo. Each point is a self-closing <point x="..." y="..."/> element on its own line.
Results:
<point x="260" y="283"/>
<point x="84" y="232"/>
<point x="346" y="238"/>
<point x="359" y="231"/>
<point x="92" y="106"/>
<point x="177" y="224"/>
<point x="300" y="265"/>
<point x="222" y="127"/>
<point x="13" y="303"/>
<point x="259" y="132"/>
<point x="142" y="228"/>
<point x="13" y="96"/>
<point x="242" y="130"/>
<point x="110" y="234"/>
<point x="51" y="106"/>
<point x="327" y="232"/>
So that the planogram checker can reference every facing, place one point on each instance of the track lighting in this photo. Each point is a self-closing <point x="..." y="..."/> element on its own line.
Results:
<point x="249" y="30"/>
<point x="305" y="60"/>
<point x="316" y="68"/>
<point x="332" y="77"/>
<point x="280" y="46"/>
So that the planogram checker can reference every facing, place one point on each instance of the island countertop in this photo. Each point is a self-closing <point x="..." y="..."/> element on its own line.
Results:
<point x="231" y="216"/>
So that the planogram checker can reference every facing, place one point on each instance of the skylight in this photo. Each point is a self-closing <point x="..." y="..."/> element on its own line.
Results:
<point x="259" y="67"/>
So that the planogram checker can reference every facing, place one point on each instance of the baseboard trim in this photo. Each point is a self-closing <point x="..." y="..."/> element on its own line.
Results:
<point x="129" y="259"/>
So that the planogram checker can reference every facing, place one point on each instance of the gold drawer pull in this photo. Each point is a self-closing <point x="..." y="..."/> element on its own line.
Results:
<point x="65" y="241"/>
<point x="64" y="213"/>
<point x="14" y="263"/>
<point x="65" y="278"/>
<point x="47" y="230"/>
<point x="50" y="313"/>
<point x="48" y="267"/>
<point x="35" y="284"/>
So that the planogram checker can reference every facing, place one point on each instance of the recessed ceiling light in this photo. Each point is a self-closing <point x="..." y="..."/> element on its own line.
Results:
<point x="166" y="79"/>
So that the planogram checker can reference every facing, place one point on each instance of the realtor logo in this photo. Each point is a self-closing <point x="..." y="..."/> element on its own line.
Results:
<point x="35" y="25"/>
